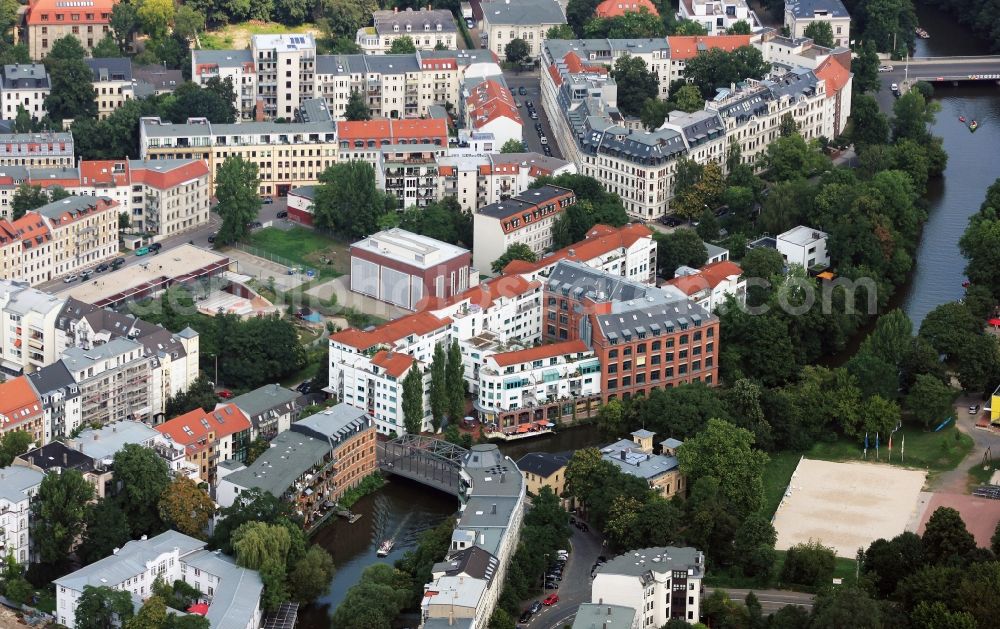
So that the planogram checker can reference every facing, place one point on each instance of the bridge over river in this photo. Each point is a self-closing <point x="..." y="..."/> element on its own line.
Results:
<point x="432" y="462"/>
<point x="946" y="69"/>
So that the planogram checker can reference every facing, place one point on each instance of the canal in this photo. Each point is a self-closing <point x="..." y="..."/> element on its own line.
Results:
<point x="403" y="510"/>
<point x="973" y="164"/>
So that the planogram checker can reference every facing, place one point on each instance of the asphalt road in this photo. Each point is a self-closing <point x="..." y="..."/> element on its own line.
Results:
<point x="574" y="589"/>
<point x="530" y="82"/>
<point x="198" y="236"/>
<point x="929" y="70"/>
<point x="773" y="600"/>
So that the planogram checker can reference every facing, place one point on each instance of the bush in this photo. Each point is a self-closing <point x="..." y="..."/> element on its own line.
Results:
<point x="809" y="564"/>
<point x="369" y="484"/>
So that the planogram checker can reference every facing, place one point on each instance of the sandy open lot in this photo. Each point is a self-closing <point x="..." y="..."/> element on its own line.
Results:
<point x="846" y="505"/>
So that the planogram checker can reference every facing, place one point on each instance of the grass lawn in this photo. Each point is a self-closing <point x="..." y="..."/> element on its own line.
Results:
<point x="777" y="475"/>
<point x="304" y="247"/>
<point x="980" y="474"/>
<point x="237" y="36"/>
<point x="46" y="601"/>
<point x="934" y="451"/>
<point x="845" y="569"/>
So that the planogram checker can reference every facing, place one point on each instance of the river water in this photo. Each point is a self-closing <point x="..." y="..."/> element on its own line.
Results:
<point x="973" y="164"/>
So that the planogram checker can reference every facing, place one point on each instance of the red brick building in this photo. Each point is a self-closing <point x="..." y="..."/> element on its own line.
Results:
<point x="645" y="338"/>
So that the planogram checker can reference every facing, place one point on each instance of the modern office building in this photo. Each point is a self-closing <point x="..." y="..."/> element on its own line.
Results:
<point x="659" y="584"/>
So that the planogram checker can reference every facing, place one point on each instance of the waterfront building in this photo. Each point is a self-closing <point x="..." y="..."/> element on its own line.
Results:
<point x="659" y="584"/>
<point x="18" y="485"/>
<point x="635" y="457"/>
<point x="232" y="593"/>
<point x="210" y="437"/>
<point x="311" y="464"/>
<point x="526" y="218"/>
<point x="545" y="469"/>
<point x="799" y="14"/>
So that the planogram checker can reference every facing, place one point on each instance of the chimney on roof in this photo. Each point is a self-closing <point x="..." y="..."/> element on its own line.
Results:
<point x="622" y="453"/>
<point x="65" y="459"/>
<point x="493" y="511"/>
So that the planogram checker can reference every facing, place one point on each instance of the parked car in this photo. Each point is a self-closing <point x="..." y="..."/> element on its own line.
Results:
<point x="102" y="267"/>
<point x="551" y="585"/>
<point x="535" y="607"/>
<point x="973" y="409"/>
<point x="885" y="68"/>
<point x="305" y="387"/>
<point x="529" y="103"/>
<point x="538" y="126"/>
<point x="267" y="200"/>
<point x="211" y="238"/>
<point x="894" y="88"/>
<point x="141" y="251"/>
<point x="470" y="22"/>
<point x="282" y="214"/>
<point x="69" y="279"/>
<point x="533" y="115"/>
<point x="154" y="247"/>
<point x="526" y="616"/>
<point x="225" y="394"/>
<point x="551" y="599"/>
<point x="522" y="91"/>
<point x="86" y="275"/>
<point x="117" y="263"/>
<point x="544" y="140"/>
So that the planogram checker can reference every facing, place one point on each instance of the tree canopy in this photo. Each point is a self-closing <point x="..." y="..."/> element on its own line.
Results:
<point x="642" y="84"/>
<point x="236" y="185"/>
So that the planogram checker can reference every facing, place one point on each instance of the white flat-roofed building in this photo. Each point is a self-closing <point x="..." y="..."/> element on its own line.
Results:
<point x="236" y="65"/>
<point x="27" y="328"/>
<point x="18" y="484"/>
<point x="799" y="14"/>
<point x="403" y="268"/>
<point x="659" y="583"/>
<point x="285" y="68"/>
<point x="478" y="180"/>
<point x="233" y="592"/>
<point x="804" y="246"/>
<point x="718" y="15"/>
<point x="103" y="443"/>
<point x="591" y="615"/>
<point x="429" y="29"/>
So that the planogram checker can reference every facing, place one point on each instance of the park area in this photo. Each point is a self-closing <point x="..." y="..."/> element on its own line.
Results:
<point x="237" y="36"/>
<point x="302" y="247"/>
<point x="846" y="506"/>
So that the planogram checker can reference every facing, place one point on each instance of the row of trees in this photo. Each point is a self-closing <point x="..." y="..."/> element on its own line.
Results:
<point x="447" y="385"/>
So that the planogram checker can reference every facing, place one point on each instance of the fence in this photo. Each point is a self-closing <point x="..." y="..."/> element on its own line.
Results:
<point x="273" y="257"/>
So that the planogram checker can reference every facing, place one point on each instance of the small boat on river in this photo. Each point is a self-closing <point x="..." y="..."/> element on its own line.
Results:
<point x="385" y="547"/>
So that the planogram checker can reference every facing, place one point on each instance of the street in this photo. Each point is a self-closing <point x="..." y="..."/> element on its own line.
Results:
<point x="574" y="589"/>
<point x="530" y="82"/>
<point x="771" y="600"/>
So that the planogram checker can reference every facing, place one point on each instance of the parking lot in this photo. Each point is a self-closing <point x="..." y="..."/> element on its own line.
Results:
<point x="530" y="82"/>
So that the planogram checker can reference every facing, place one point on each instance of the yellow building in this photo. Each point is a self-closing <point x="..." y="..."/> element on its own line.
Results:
<point x="636" y="457"/>
<point x="544" y="469"/>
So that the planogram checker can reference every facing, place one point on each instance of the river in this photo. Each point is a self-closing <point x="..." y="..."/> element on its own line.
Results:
<point x="973" y="164"/>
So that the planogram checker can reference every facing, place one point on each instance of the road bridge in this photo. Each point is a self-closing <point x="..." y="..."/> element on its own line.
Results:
<point x="426" y="460"/>
<point x="946" y="69"/>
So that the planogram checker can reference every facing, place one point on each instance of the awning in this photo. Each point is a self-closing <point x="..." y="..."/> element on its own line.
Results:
<point x="995" y="322"/>
<point x="199" y="608"/>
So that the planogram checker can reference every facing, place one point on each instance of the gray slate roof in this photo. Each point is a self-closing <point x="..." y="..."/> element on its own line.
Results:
<point x="57" y="454"/>
<point x="543" y="464"/>
<point x="104" y="442"/>
<point x="53" y="378"/>
<point x="421" y="21"/>
<point x="334" y="424"/>
<point x="77" y="358"/>
<point x="625" y="455"/>
<point x="16" y="480"/>
<point x="111" y="68"/>
<point x="223" y="58"/>
<point x="808" y="8"/>
<point x="25" y="76"/>
<point x="523" y="12"/>
<point x="590" y="615"/>
<point x="291" y="454"/>
<point x="261" y="401"/>
<point x="237" y="592"/>
<point x="523" y="201"/>
<point x="72" y="204"/>
<point x="663" y="559"/>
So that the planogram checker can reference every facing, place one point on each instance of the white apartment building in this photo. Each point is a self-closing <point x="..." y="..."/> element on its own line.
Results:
<point x="658" y="583"/>
<point x="525" y="378"/>
<point x="478" y="180"/>
<point x="804" y="246"/>
<point x="18" y="485"/>
<point x="27" y="328"/>
<point x="169" y="196"/>
<point x="239" y="66"/>
<point x="409" y="172"/>
<point x="526" y="218"/>
<point x="24" y="85"/>
<point x="429" y="29"/>
<point x="628" y="251"/>
<point x="285" y="67"/>
<point x="712" y="284"/>
<point x="44" y="149"/>
<point x="113" y="84"/>
<point x="60" y="397"/>
<point x="233" y="592"/>
<point x="799" y="14"/>
<point x="367" y="367"/>
<point x="466" y="586"/>
<point x="718" y="15"/>
<point x="528" y="20"/>
<point x="59" y="239"/>
<point x="115" y="381"/>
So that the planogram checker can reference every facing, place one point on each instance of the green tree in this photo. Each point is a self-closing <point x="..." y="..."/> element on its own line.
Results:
<point x="348" y="201"/>
<point x="155" y="16"/>
<point x="517" y="51"/>
<point x="252" y="505"/>
<point x="186" y="507"/>
<point x="715" y="68"/>
<point x="611" y="418"/>
<point x="106" y="48"/>
<point x="14" y="586"/>
<point x="188" y="22"/>
<point x="865" y="68"/>
<point x="215" y="101"/>
<point x="71" y="92"/>
<point x="236" y="186"/>
<point x="374" y="602"/>
<point x="791" y="157"/>
<point x="256" y="448"/>
<point x="945" y="539"/>
<point x="455" y="380"/>
<point x="357" y="107"/>
<point x="845" y="608"/>
<point x="912" y="115"/>
<point x="654" y="112"/>
<point x="871" y="126"/>
<point x="930" y="400"/>
<point x="809" y="563"/>
<point x="821" y="33"/>
<point x="560" y="31"/>
<point x="413" y="400"/>
<point x="726" y="452"/>
<point x="643" y="84"/>
<point x="688" y="27"/>
<point x="578" y="12"/>
<point x="23" y="122"/>
<point x="402" y="46"/>
<point x="201" y="394"/>
<point x="687" y="98"/>
<point x="143" y="477"/>
<point x="13" y="444"/>
<point x="106" y="529"/>
<point x="740" y="27"/>
<point x="102" y="607"/>
<point x="887" y="562"/>
<point x="124" y="22"/>
<point x="152" y="615"/>
<point x="938" y="616"/>
<point x="58" y="513"/>
<point x="753" y="546"/>
<point x="512" y="146"/>
<point x="516" y="251"/>
<point x="310" y="578"/>
<point x="978" y="593"/>
<point x="439" y="386"/>
<point x="682" y="247"/>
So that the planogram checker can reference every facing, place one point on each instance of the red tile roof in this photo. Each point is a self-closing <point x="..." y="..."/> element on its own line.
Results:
<point x="394" y="363"/>
<point x="687" y="46"/>
<point x="485" y="293"/>
<point x="708" y="276"/>
<point x="45" y="11"/>
<point x="576" y="65"/>
<point x="617" y="8"/>
<point x="393" y="131"/>
<point x="190" y="428"/>
<point x="541" y="352"/>
<point x="104" y="172"/>
<point x="27" y="229"/>
<point x="491" y="100"/>
<point x="834" y="74"/>
<point x="419" y="323"/>
<point x="18" y="403"/>
<point x="600" y="240"/>
<point x="156" y="175"/>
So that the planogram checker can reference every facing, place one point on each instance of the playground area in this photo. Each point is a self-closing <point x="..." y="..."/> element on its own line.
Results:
<point x="846" y="506"/>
